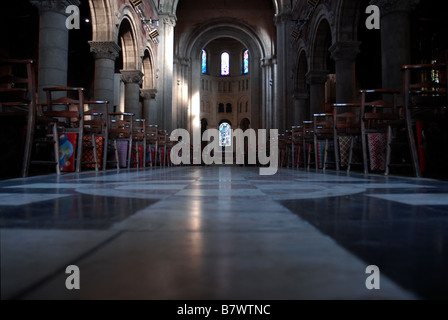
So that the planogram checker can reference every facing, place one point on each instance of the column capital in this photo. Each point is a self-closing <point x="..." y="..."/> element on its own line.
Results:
<point x="282" y="18"/>
<point x="168" y="19"/>
<point x="300" y="95"/>
<point x="317" y="76"/>
<point x="266" y="62"/>
<point x="132" y="76"/>
<point x="344" y="50"/>
<point x="148" y="93"/>
<point x="104" y="49"/>
<point x="58" y="6"/>
<point x="390" y="6"/>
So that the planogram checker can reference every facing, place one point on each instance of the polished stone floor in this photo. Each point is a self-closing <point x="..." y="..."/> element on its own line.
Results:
<point x="223" y="232"/>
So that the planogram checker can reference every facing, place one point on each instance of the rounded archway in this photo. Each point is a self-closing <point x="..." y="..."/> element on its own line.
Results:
<point x="193" y="46"/>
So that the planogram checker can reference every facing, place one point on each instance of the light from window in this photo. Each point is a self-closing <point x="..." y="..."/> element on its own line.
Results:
<point x="204" y="61"/>
<point x="224" y="64"/>
<point x="246" y="62"/>
<point x="225" y="135"/>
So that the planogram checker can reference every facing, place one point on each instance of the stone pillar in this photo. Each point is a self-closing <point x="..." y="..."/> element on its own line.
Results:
<point x="149" y="105"/>
<point x="284" y="85"/>
<point x="395" y="39"/>
<point x="268" y="94"/>
<point x="53" y="43"/>
<point x="105" y="53"/>
<point x="301" y="112"/>
<point x="316" y="79"/>
<point x="132" y="80"/>
<point x="344" y="55"/>
<point x="166" y="61"/>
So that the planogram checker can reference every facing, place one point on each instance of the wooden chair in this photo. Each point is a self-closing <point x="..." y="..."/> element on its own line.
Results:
<point x="138" y="152"/>
<point x="96" y="129"/>
<point x="323" y="131"/>
<point x="120" y="139"/>
<point x="381" y="125"/>
<point x="281" y="140"/>
<point x="425" y="102"/>
<point x="17" y="106"/>
<point x="162" y="147"/>
<point x="288" y="149"/>
<point x="152" y="140"/>
<point x="308" y="142"/>
<point x="296" y="145"/>
<point x="65" y="110"/>
<point x="346" y="129"/>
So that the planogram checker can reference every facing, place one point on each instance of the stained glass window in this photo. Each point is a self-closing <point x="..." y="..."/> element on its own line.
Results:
<point x="246" y="62"/>
<point x="204" y="61"/>
<point x="225" y="64"/>
<point x="225" y="135"/>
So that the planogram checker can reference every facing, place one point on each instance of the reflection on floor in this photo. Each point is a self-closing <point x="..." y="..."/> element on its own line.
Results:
<point x="223" y="232"/>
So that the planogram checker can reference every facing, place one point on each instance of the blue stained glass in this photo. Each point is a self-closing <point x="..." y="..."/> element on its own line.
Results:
<point x="224" y="64"/>
<point x="246" y="62"/>
<point x="204" y="61"/>
<point x="225" y="135"/>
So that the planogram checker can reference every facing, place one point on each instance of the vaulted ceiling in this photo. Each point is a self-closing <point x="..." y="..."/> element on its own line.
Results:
<point x="170" y="6"/>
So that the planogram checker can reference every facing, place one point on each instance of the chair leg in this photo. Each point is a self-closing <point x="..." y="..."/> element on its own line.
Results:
<point x="352" y="142"/>
<point x="324" y="164"/>
<point x="56" y="147"/>
<point x="95" y="157"/>
<point x="364" y="152"/>
<point x="411" y="140"/>
<point x="336" y="152"/>
<point x="79" y="151"/>
<point x="388" y="149"/>
<point x="105" y="151"/>
<point x="117" y="159"/>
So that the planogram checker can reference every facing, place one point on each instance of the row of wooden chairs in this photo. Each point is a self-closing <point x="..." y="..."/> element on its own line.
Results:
<point x="70" y="133"/>
<point x="378" y="133"/>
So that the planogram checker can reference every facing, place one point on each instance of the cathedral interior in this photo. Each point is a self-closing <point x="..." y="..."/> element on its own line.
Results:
<point x="120" y="153"/>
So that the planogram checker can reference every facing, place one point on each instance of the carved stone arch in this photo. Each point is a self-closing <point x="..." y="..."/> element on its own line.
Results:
<point x="128" y="40"/>
<point x="348" y="15"/>
<point x="301" y="70"/>
<point x="170" y="6"/>
<point x="192" y="46"/>
<point x="322" y="36"/>
<point x="148" y="70"/>
<point x="103" y="28"/>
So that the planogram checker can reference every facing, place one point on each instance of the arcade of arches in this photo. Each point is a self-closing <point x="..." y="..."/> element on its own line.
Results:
<point x="289" y="79"/>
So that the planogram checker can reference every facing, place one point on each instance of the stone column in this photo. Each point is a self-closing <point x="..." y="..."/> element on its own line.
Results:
<point x="132" y="80"/>
<point x="395" y="39"/>
<point x="105" y="53"/>
<point x="316" y="79"/>
<point x="344" y="55"/>
<point x="268" y="94"/>
<point x="166" y="61"/>
<point x="53" y="43"/>
<point x="149" y="105"/>
<point x="300" y="113"/>
<point x="284" y="87"/>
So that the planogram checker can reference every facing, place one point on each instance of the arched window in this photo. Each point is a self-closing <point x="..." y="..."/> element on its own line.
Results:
<point x="225" y="135"/>
<point x="246" y="62"/>
<point x="204" y="61"/>
<point x="225" y="64"/>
